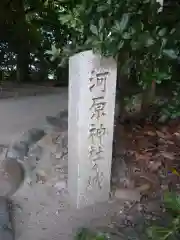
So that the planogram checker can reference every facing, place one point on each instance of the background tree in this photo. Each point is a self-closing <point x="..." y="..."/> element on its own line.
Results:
<point x="143" y="39"/>
<point x="40" y="35"/>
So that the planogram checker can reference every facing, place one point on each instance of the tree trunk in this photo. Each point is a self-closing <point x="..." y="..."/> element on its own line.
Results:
<point x="22" y="43"/>
<point x="23" y="59"/>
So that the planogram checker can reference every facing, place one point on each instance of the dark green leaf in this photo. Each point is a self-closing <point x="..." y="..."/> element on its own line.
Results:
<point x="132" y="30"/>
<point x="126" y="36"/>
<point x="172" y="31"/>
<point x="102" y="8"/>
<point x="159" y="233"/>
<point x="162" y="32"/>
<point x="164" y="41"/>
<point x="135" y="45"/>
<point x="101" y="23"/>
<point x="65" y="18"/>
<point x="172" y="201"/>
<point x="149" y="41"/>
<point x="171" y="53"/>
<point x="94" y="30"/>
<point x="120" y="45"/>
<point x="124" y="21"/>
<point x="101" y="37"/>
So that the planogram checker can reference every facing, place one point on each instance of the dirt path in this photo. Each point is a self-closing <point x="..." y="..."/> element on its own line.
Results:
<point x="19" y="115"/>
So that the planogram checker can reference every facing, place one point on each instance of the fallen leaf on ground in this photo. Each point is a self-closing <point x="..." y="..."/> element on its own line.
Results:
<point x="153" y="150"/>
<point x="154" y="165"/>
<point x="160" y="134"/>
<point x="143" y="188"/>
<point x="128" y="194"/>
<point x="142" y="156"/>
<point x="168" y="155"/>
<point x="152" y="134"/>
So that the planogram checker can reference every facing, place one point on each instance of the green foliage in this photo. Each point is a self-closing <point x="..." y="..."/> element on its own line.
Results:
<point x="134" y="29"/>
<point x="86" y="234"/>
<point x="54" y="53"/>
<point x="144" y="39"/>
<point x="171" y="110"/>
<point x="29" y="29"/>
<point x="172" y="230"/>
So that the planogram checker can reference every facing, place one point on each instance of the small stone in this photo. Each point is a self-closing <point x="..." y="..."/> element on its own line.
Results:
<point x="32" y="136"/>
<point x="47" y="143"/>
<point x="17" y="151"/>
<point x="3" y="152"/>
<point x="61" y="185"/>
<point x="58" y="155"/>
<point x="35" y="152"/>
<point x="41" y="176"/>
<point x="58" y="212"/>
<point x="20" y="148"/>
<point x="143" y="188"/>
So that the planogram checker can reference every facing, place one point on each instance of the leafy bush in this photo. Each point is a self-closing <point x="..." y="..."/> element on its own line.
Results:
<point x="131" y="28"/>
<point x="171" y="230"/>
<point x="172" y="109"/>
<point x="86" y="234"/>
<point x="143" y="38"/>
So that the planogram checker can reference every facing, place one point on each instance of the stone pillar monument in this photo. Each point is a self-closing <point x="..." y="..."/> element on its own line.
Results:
<point x="92" y="88"/>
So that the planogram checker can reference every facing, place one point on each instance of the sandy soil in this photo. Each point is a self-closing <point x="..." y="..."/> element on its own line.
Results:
<point x="17" y="116"/>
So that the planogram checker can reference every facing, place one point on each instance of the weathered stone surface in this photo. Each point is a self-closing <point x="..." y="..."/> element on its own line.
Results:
<point x="61" y="185"/>
<point x="11" y="177"/>
<point x="34" y="154"/>
<point x="33" y="135"/>
<point x="57" y="123"/>
<point x="4" y="213"/>
<point x="62" y="115"/>
<point x="47" y="143"/>
<point x="22" y="152"/>
<point x="20" y="148"/>
<point x="61" y="146"/>
<point x="18" y="151"/>
<point x="3" y="152"/>
<point x="6" y="232"/>
<point x="92" y="86"/>
<point x="62" y="139"/>
<point x="32" y="147"/>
